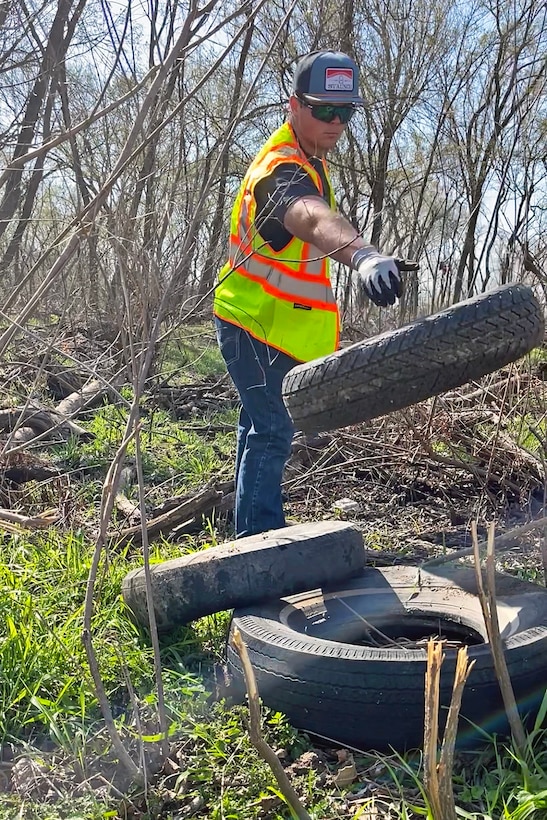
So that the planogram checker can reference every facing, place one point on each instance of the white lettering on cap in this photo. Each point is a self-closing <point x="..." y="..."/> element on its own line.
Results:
<point x="339" y="79"/>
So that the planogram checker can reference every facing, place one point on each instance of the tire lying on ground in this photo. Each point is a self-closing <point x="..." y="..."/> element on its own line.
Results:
<point x="336" y="662"/>
<point x="238" y="573"/>
<point x="404" y="366"/>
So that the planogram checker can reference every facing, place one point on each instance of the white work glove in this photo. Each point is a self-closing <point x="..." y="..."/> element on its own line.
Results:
<point x="379" y="274"/>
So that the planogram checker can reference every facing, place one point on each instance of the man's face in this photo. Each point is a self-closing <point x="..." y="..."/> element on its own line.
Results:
<point x="316" y="137"/>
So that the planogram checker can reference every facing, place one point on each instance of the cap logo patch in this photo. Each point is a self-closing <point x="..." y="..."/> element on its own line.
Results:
<point x="339" y="79"/>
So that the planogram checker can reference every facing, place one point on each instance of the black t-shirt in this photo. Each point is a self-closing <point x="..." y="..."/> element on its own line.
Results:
<point x="276" y="192"/>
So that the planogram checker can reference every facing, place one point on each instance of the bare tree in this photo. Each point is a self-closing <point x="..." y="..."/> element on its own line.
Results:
<point x="450" y="135"/>
<point x="39" y="101"/>
<point x="493" y="108"/>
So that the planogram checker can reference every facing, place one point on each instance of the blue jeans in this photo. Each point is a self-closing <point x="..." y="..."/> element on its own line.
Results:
<point x="265" y="429"/>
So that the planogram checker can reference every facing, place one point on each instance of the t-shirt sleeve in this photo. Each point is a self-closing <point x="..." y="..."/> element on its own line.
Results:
<point x="274" y="194"/>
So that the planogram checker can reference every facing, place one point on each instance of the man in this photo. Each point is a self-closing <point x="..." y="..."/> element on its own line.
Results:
<point x="274" y="306"/>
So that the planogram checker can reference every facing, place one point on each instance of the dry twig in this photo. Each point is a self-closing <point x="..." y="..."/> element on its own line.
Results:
<point x="502" y="542"/>
<point x="490" y="613"/>
<point x="107" y="503"/>
<point x="149" y="598"/>
<point x="255" y="732"/>
<point x="199" y="504"/>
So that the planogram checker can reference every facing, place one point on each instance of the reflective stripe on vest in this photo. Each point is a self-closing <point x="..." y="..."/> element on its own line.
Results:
<point x="257" y="281"/>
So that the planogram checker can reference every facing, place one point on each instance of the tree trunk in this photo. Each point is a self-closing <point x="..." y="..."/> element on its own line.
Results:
<point x="54" y="52"/>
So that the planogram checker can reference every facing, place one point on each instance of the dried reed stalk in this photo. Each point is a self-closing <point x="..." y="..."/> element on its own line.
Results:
<point x="438" y="776"/>
<point x="487" y="599"/>
<point x="255" y="733"/>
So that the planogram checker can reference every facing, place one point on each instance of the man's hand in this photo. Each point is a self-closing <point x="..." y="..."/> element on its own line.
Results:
<point x="380" y="276"/>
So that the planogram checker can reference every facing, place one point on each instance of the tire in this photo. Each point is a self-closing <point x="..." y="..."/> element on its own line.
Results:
<point x="404" y="366"/>
<point x="312" y="662"/>
<point x="242" y="572"/>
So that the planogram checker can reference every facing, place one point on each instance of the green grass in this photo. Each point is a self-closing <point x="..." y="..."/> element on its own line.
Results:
<point x="190" y="354"/>
<point x="224" y="770"/>
<point x="46" y="692"/>
<point x="530" y="433"/>
<point x="537" y="356"/>
<point x="73" y="808"/>
<point x="500" y="784"/>
<point x="447" y="449"/>
<point x="43" y="663"/>
<point x="42" y="589"/>
<point x="172" y="454"/>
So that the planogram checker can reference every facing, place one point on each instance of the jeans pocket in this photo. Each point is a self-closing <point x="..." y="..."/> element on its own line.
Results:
<point x="229" y="341"/>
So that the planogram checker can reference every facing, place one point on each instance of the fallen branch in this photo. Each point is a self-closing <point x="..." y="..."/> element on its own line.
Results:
<point x="88" y="396"/>
<point x="195" y="506"/>
<point x="266" y="752"/>
<point x="22" y="473"/>
<point x="501" y="543"/>
<point x="29" y="422"/>
<point x="127" y="507"/>
<point x="15" y="521"/>
<point x="174" y="501"/>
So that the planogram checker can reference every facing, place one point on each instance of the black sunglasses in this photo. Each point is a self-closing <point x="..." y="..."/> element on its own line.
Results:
<point x="328" y="113"/>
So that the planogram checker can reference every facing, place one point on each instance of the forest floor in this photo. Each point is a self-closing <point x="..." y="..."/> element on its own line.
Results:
<point x="412" y="483"/>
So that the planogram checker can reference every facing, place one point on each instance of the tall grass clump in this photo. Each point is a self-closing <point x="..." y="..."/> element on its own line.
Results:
<point x="43" y="667"/>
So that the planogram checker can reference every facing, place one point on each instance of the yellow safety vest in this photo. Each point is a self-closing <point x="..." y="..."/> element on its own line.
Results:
<point x="283" y="298"/>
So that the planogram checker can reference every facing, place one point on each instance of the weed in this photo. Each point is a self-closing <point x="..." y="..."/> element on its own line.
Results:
<point x="44" y="671"/>
<point x="192" y="352"/>
<point x="529" y="432"/>
<point x="73" y="808"/>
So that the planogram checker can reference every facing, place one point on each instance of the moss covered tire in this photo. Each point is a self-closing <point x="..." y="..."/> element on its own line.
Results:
<point x="410" y="364"/>
<point x="323" y="659"/>
<point x="242" y="572"/>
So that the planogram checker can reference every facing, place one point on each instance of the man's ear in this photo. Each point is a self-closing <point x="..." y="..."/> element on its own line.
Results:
<point x="293" y="104"/>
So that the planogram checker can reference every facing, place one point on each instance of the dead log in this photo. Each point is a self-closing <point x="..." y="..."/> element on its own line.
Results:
<point x="225" y="488"/>
<point x="90" y="394"/>
<point x="200" y="504"/>
<point x="62" y="381"/>
<point x="30" y="422"/>
<point x="126" y="507"/>
<point x="21" y="473"/>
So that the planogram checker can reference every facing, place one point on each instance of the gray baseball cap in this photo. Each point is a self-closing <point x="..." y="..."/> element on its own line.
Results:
<point x="327" y="77"/>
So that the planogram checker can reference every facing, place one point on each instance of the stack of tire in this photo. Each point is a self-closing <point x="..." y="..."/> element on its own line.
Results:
<point x="327" y="635"/>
